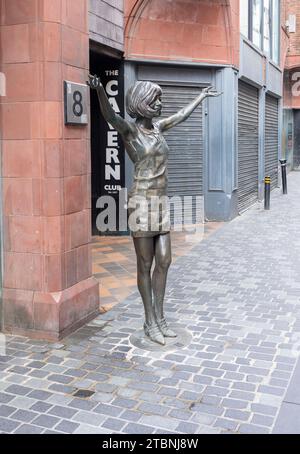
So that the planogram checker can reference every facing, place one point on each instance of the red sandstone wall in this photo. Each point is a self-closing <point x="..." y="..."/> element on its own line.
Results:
<point x="293" y="57"/>
<point x="46" y="168"/>
<point x="291" y="54"/>
<point x="190" y="30"/>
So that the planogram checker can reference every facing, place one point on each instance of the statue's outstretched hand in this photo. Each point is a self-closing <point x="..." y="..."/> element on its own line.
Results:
<point x="94" y="82"/>
<point x="210" y="91"/>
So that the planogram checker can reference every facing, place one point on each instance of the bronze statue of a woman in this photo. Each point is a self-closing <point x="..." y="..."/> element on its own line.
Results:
<point x="148" y="150"/>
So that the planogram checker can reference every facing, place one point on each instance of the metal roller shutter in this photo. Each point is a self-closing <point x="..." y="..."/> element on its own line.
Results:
<point x="248" y="142"/>
<point x="271" y="140"/>
<point x="185" y="169"/>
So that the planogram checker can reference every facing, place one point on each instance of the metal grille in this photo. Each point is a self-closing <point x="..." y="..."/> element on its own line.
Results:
<point x="248" y="141"/>
<point x="271" y="140"/>
<point x="185" y="169"/>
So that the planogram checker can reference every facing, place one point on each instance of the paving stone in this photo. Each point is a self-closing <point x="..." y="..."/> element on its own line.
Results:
<point x="67" y="426"/>
<point x="60" y="379"/>
<point x="180" y="414"/>
<point x="262" y="420"/>
<point x="187" y="428"/>
<point x="271" y="390"/>
<point x="8" y="426"/>
<point x="54" y="360"/>
<point x="62" y="388"/>
<point x="124" y="403"/>
<point x="93" y="419"/>
<point x="227" y="424"/>
<point x="24" y="415"/>
<point x="29" y="429"/>
<point x="155" y="409"/>
<point x="108" y="410"/>
<point x="38" y="373"/>
<point x="187" y="395"/>
<point x="102" y="397"/>
<point x="136" y="429"/>
<point x="55" y="368"/>
<point x="216" y="391"/>
<point x="22" y="402"/>
<point x="203" y="408"/>
<point x="5" y="398"/>
<point x="159" y="421"/>
<point x="62" y="412"/>
<point x="75" y="372"/>
<point x="59" y="399"/>
<point x="131" y="415"/>
<point x="264" y="409"/>
<point x="252" y="429"/>
<point x="88" y="429"/>
<point x="235" y="403"/>
<point x="242" y="395"/>
<point x="92" y="377"/>
<point x="39" y="394"/>
<point x="37" y="364"/>
<point x="203" y="380"/>
<point x="165" y="391"/>
<point x="41" y="407"/>
<point x="244" y="386"/>
<point x="213" y="372"/>
<point x="211" y="400"/>
<point x="18" y="390"/>
<point x="127" y="392"/>
<point x="148" y="387"/>
<point x="46" y="421"/>
<point x="82" y="404"/>
<point x="237" y="414"/>
<point x="114" y="424"/>
<point x="6" y="410"/>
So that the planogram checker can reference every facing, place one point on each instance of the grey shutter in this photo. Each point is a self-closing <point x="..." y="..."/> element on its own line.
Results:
<point x="248" y="141"/>
<point x="185" y="168"/>
<point x="271" y="140"/>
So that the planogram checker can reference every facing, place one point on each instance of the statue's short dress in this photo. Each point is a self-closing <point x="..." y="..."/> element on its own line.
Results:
<point x="147" y="201"/>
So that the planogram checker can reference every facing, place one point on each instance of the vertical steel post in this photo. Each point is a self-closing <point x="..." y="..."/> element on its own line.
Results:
<point x="267" y="192"/>
<point x="283" y="175"/>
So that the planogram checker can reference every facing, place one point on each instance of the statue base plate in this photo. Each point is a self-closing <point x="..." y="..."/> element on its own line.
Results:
<point x="183" y="339"/>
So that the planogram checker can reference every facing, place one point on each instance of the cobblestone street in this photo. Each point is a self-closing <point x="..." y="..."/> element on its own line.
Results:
<point x="234" y="300"/>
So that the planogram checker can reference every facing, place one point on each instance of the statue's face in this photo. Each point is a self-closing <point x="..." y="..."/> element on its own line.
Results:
<point x="156" y="105"/>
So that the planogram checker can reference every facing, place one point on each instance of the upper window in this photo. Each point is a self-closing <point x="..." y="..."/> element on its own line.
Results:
<point x="259" y="22"/>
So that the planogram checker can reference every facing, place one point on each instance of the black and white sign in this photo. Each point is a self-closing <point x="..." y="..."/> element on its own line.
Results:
<point x="76" y="96"/>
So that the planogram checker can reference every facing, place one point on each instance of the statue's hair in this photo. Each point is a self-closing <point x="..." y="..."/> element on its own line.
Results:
<point x="139" y="97"/>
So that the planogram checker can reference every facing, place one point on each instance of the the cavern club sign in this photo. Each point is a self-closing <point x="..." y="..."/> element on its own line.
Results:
<point x="112" y="148"/>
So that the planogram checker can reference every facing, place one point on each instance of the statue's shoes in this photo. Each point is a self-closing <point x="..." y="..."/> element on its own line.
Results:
<point x="164" y="328"/>
<point x="154" y="333"/>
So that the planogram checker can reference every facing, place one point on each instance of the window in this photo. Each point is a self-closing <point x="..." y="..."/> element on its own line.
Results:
<point x="267" y="26"/>
<point x="244" y="17"/>
<point x="256" y="22"/>
<point x="276" y="30"/>
<point x="260" y="23"/>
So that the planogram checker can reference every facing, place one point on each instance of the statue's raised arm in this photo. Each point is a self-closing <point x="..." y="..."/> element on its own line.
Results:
<point x="184" y="113"/>
<point x="120" y="124"/>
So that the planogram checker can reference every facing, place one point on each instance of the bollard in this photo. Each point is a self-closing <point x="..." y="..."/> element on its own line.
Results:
<point x="267" y="192"/>
<point x="283" y="175"/>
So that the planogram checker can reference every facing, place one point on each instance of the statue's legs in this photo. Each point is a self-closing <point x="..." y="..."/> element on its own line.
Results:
<point x="163" y="259"/>
<point x="144" y="248"/>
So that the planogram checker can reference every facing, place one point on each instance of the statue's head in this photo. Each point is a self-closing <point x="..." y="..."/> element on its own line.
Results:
<point x="143" y="100"/>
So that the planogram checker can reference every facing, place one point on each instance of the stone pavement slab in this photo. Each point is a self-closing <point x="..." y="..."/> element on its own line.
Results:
<point x="236" y="295"/>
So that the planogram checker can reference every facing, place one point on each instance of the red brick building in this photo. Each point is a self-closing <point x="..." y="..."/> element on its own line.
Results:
<point x="48" y="195"/>
<point x="291" y="113"/>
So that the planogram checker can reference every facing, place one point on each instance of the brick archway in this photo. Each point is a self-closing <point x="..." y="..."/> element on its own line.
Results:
<point x="202" y="32"/>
